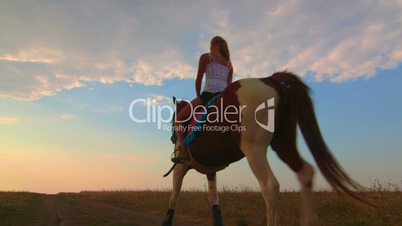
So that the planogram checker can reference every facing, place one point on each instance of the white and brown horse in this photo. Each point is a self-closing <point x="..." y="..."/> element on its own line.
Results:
<point x="284" y="96"/>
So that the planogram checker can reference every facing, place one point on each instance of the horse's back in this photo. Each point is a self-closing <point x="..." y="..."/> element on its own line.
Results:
<point x="254" y="91"/>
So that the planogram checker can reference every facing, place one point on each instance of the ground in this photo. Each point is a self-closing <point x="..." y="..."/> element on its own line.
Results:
<point x="77" y="209"/>
<point x="148" y="208"/>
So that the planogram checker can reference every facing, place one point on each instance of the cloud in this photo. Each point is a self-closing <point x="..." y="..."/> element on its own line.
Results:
<point x="156" y="100"/>
<point x="334" y="41"/>
<point x="33" y="56"/>
<point x="67" y="46"/>
<point x="8" y="120"/>
<point x="146" y="74"/>
<point x="65" y="117"/>
<point x="110" y="110"/>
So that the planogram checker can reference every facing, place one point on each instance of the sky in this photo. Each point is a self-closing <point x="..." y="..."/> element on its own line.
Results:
<point x="70" y="70"/>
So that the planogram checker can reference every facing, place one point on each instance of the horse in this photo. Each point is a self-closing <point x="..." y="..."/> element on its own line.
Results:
<point x="265" y="111"/>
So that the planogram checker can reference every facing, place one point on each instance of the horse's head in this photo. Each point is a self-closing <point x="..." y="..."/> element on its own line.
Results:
<point x="179" y="106"/>
<point x="174" y="138"/>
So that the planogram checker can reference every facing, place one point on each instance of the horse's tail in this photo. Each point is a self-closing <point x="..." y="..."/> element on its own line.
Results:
<point x="296" y="100"/>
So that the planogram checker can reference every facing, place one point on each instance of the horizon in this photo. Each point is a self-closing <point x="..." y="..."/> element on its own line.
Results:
<point x="70" y="70"/>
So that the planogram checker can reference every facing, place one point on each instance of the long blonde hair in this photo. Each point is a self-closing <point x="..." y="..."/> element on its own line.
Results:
<point x="222" y="45"/>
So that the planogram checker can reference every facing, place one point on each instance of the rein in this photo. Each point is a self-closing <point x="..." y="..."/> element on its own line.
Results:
<point x="173" y="138"/>
<point x="171" y="169"/>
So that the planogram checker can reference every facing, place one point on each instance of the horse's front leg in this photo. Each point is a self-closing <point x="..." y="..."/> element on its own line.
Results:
<point x="178" y="174"/>
<point x="214" y="199"/>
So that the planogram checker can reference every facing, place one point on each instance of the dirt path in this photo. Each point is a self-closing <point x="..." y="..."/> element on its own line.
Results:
<point x="75" y="210"/>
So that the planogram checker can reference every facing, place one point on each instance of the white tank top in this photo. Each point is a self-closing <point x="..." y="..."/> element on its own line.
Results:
<point x="216" y="76"/>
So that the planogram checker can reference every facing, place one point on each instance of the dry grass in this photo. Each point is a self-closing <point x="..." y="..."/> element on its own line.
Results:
<point x="240" y="207"/>
<point x="17" y="208"/>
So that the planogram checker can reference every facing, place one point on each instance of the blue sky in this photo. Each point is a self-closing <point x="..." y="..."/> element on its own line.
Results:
<point x="69" y="71"/>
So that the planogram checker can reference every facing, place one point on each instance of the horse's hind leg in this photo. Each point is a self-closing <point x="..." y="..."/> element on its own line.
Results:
<point x="305" y="176"/>
<point x="284" y="144"/>
<point x="257" y="159"/>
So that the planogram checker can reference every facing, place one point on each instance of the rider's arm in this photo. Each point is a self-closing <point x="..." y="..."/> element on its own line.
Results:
<point x="200" y="73"/>
<point x="230" y="76"/>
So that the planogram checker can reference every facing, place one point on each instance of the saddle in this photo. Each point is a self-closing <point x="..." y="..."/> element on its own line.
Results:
<point x="210" y="151"/>
<point x="195" y="124"/>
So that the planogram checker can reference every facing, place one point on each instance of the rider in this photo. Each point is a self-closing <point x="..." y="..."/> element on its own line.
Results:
<point x="218" y="74"/>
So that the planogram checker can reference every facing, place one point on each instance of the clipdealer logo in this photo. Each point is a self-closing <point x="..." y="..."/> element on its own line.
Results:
<point x="161" y="115"/>
<point x="270" y="126"/>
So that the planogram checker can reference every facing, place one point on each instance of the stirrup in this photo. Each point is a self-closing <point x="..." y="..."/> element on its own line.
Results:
<point x="181" y="158"/>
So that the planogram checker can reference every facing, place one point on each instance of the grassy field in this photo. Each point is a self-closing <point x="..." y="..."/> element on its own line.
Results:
<point x="148" y="208"/>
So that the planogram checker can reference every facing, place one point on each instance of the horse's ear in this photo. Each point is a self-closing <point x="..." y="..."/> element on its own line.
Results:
<point x="174" y="99"/>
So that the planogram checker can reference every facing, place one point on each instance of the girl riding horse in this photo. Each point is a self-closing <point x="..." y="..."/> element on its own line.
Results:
<point x="218" y="74"/>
